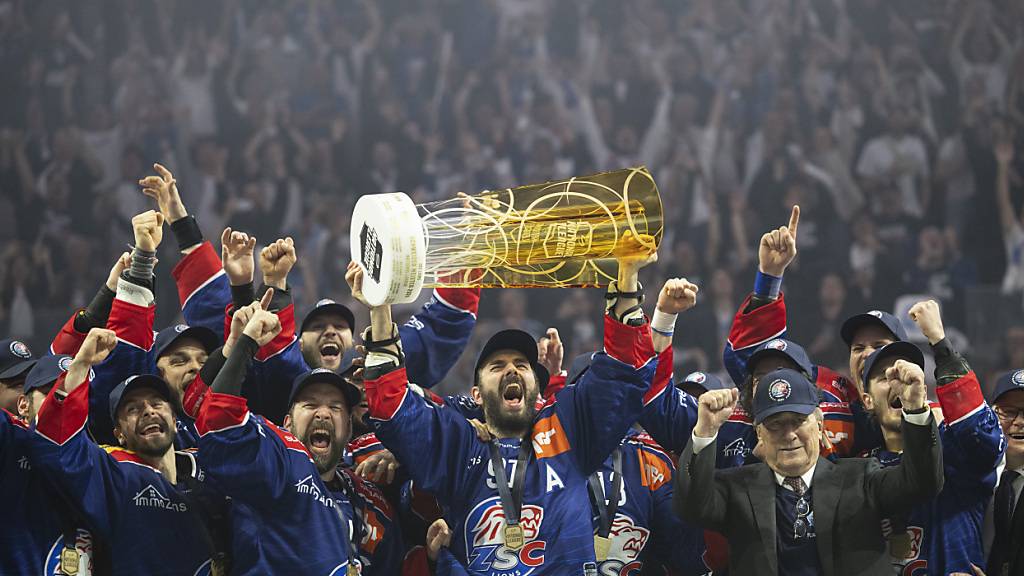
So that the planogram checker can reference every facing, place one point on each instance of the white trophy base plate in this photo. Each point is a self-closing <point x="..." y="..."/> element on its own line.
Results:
<point x="387" y="242"/>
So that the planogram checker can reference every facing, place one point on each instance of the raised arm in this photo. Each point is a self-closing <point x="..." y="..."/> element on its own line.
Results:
<point x="698" y="497"/>
<point x="85" y="474"/>
<point x="95" y="315"/>
<point x="919" y="475"/>
<point x="1007" y="215"/>
<point x="669" y="413"/>
<point x="762" y="315"/>
<point x="202" y="288"/>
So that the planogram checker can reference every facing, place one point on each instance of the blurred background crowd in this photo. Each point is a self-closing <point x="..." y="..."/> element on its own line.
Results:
<point x="896" y="126"/>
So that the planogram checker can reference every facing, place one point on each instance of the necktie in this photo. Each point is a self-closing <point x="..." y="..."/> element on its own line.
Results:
<point x="796" y="484"/>
<point x="1002" y="505"/>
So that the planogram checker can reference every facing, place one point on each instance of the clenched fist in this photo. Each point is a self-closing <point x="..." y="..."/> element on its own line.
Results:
<point x="677" y="295"/>
<point x="927" y="317"/>
<point x="907" y="379"/>
<point x="778" y="247"/>
<point x="98" y="344"/>
<point x="714" y="407"/>
<point x="276" y="261"/>
<point x="149" y="231"/>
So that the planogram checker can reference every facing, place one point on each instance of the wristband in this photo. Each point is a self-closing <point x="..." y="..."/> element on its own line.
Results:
<point x="142" y="264"/>
<point x="663" y="323"/>
<point x="186" y="232"/>
<point x="767" y="286"/>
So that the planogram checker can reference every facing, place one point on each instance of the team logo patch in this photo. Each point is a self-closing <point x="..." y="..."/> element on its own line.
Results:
<point x="628" y="541"/>
<point x="64" y="363"/>
<point x="1018" y="378"/>
<point x="485" y="541"/>
<point x="776" y="344"/>
<point x="180" y="328"/>
<point x="696" y="377"/>
<point x="324" y="302"/>
<point x="779" y="390"/>
<point x="20" y="349"/>
<point x="875" y="313"/>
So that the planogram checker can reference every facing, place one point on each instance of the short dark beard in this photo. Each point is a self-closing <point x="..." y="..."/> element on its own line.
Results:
<point x="154" y="451"/>
<point x="330" y="460"/>
<point x="513" y="424"/>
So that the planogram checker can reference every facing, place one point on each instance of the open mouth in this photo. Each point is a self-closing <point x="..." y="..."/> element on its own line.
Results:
<point x="1018" y="436"/>
<point x="895" y="403"/>
<point x="513" y="395"/>
<point x="151" y="430"/>
<point x="320" y="440"/>
<point x="330" y="353"/>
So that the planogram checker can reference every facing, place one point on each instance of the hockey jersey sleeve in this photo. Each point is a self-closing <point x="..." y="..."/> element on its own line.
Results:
<point x="68" y="340"/>
<point x="86" y="474"/>
<point x="972" y="441"/>
<point x="595" y="413"/>
<point x="247" y="457"/>
<point x="131" y="319"/>
<point x="203" y="288"/>
<point x="431" y="442"/>
<point x="434" y="338"/>
<point x="669" y="414"/>
<point x="749" y="330"/>
<point x="675" y="543"/>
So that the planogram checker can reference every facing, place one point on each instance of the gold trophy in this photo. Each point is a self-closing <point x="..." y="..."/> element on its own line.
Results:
<point x="553" y="235"/>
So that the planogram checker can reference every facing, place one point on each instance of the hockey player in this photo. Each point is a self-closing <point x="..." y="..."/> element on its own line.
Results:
<point x="285" y="520"/>
<point x="944" y="535"/>
<point x="512" y="499"/>
<point x="135" y="496"/>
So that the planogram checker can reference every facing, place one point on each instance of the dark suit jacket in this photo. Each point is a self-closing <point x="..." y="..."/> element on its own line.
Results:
<point x="850" y="498"/>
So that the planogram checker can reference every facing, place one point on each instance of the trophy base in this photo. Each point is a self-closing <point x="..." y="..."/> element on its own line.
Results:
<point x="387" y="241"/>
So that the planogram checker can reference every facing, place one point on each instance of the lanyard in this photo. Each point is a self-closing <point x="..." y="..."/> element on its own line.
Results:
<point x="511" y="499"/>
<point x="353" y="548"/>
<point x="607" y="506"/>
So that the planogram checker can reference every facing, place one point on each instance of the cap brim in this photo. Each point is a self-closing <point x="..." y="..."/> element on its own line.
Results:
<point x="804" y="409"/>
<point x="207" y="339"/>
<point x="854" y="323"/>
<point x="756" y="356"/>
<point x="335" y="308"/>
<point x="151" y="381"/>
<point x="509" y="340"/>
<point x="18" y="369"/>
<point x="899" y="349"/>
<point x="352" y="394"/>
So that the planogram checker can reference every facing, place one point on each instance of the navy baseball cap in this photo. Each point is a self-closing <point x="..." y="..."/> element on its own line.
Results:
<point x="784" y="390"/>
<point x="704" y="380"/>
<point x="15" y="358"/>
<point x="901" y="349"/>
<point x="876" y="317"/>
<point x="328" y="306"/>
<point x="1008" y="382"/>
<point x="350" y="356"/>
<point x="352" y="394"/>
<point x="580" y="364"/>
<point x="168" y="336"/>
<point x="520" y="342"/>
<point x="785" y="348"/>
<point x="46" y="371"/>
<point x="133" y="383"/>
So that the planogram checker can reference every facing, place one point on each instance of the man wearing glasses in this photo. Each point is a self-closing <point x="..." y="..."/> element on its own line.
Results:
<point x="797" y="513"/>
<point x="1007" y="555"/>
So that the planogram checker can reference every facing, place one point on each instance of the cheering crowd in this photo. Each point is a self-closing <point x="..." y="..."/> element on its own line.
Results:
<point x="248" y="441"/>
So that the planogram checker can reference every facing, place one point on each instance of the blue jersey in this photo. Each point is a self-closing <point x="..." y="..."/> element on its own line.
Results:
<point x="285" y="520"/>
<point x="31" y="538"/>
<point x="571" y="437"/>
<point x="203" y="288"/>
<point x="944" y="535"/>
<point x="372" y="520"/>
<point x="669" y="413"/>
<point x="149" y="523"/>
<point x="645" y="528"/>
